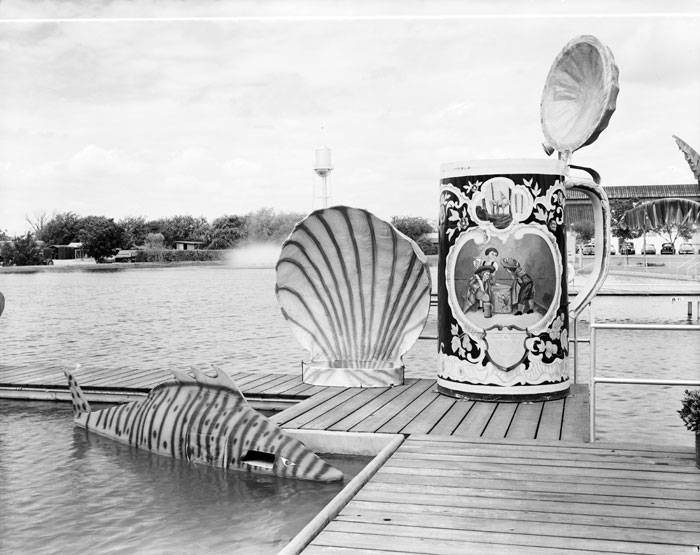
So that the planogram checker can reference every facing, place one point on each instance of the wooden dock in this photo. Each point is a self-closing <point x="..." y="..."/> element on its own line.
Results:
<point x="471" y="476"/>
<point x="412" y="408"/>
<point x="450" y="495"/>
<point x="417" y="408"/>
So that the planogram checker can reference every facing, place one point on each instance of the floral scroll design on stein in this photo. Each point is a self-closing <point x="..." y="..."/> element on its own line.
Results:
<point x="457" y="208"/>
<point x="545" y="350"/>
<point x="464" y="345"/>
<point x="549" y="208"/>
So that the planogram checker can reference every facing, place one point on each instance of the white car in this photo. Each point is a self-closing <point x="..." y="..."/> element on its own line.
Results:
<point x="686" y="248"/>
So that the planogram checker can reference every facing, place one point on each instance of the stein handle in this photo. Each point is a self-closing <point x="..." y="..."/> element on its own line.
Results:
<point x="601" y="218"/>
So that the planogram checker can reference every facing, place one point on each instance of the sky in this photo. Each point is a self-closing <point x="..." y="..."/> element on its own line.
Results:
<point x="161" y="108"/>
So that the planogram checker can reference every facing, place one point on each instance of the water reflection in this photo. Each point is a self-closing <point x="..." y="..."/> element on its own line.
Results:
<point x="71" y="491"/>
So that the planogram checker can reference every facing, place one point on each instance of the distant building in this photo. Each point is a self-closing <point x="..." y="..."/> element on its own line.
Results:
<point x="579" y="208"/>
<point x="188" y="245"/>
<point x="71" y="251"/>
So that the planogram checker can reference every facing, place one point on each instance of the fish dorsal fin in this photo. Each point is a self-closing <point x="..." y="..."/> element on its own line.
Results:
<point x="182" y="377"/>
<point x="214" y="376"/>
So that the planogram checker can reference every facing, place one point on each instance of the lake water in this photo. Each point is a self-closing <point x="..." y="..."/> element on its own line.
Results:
<point x="70" y="491"/>
<point x="66" y="491"/>
<point x="180" y="316"/>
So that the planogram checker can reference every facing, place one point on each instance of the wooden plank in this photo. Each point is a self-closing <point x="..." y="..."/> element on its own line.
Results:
<point x="453" y="417"/>
<point x="359" y="542"/>
<point x="522" y="482"/>
<point x="678" y="473"/>
<point x="476" y="420"/>
<point x="648" y="503"/>
<point x="300" y="408"/>
<point x="255" y="380"/>
<point x="598" y="448"/>
<point x="525" y="421"/>
<point x="658" y="462"/>
<point x="260" y="387"/>
<point x="531" y="540"/>
<point x="282" y="385"/>
<point x="132" y="381"/>
<point x="348" y="407"/>
<point x="523" y="515"/>
<point x="108" y="377"/>
<point x="322" y="408"/>
<point x="500" y="421"/>
<point x="551" y="420"/>
<point x="381" y="416"/>
<point x="321" y="549"/>
<point x="406" y="415"/>
<point x="575" y="421"/>
<point x="304" y="389"/>
<point x="56" y="378"/>
<point x="390" y="493"/>
<point x="427" y="419"/>
<point x="551" y="534"/>
<point x="363" y="412"/>
<point x="562" y="477"/>
<point x="495" y="464"/>
<point x="16" y="376"/>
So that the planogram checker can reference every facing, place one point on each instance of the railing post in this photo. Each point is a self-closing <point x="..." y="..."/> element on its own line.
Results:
<point x="592" y="382"/>
<point x="575" y="345"/>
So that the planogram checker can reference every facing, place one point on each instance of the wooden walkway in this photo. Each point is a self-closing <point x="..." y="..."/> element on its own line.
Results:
<point x="449" y="495"/>
<point x="417" y="408"/>
<point x="125" y="384"/>
<point x="412" y="408"/>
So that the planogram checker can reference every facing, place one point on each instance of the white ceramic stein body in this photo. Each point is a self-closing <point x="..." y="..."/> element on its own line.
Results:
<point x="503" y="304"/>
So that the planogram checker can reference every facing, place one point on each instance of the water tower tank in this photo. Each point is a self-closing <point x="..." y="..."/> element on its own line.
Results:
<point x="323" y="163"/>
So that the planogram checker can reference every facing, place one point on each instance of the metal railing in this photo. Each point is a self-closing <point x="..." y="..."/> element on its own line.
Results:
<point x="594" y="380"/>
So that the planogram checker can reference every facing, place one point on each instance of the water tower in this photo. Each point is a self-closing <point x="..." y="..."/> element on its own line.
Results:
<point x="323" y="167"/>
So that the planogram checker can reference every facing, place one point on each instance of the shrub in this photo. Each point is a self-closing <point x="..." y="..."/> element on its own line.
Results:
<point x="690" y="411"/>
<point x="172" y="255"/>
<point x="427" y="246"/>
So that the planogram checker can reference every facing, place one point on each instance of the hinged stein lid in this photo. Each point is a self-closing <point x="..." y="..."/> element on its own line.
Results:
<point x="579" y="94"/>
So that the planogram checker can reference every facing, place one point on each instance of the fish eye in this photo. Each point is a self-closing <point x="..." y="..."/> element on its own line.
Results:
<point x="287" y="462"/>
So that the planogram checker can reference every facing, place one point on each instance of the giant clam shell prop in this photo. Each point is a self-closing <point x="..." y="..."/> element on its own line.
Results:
<point x="356" y="293"/>
<point x="579" y="95"/>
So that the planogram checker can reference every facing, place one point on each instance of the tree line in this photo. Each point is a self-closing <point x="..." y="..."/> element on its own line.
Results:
<point x="102" y="237"/>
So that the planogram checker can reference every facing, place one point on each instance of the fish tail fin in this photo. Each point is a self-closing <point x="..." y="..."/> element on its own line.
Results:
<point x="80" y="403"/>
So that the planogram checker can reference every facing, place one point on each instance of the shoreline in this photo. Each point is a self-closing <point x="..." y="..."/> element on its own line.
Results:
<point x="111" y="267"/>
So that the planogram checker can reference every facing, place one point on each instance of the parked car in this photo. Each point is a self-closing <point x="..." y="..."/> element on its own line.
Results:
<point x="686" y="248"/>
<point x="627" y="248"/>
<point x="612" y="249"/>
<point x="649" y="249"/>
<point x="668" y="248"/>
<point x="588" y="248"/>
<point x="125" y="255"/>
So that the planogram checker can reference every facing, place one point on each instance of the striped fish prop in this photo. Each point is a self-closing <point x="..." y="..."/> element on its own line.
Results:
<point x="203" y="419"/>
<point x="356" y="293"/>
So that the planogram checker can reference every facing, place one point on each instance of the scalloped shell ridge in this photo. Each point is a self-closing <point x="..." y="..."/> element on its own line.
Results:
<point x="355" y="291"/>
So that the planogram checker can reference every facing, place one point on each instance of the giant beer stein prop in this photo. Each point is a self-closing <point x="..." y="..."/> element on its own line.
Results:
<point x="503" y="305"/>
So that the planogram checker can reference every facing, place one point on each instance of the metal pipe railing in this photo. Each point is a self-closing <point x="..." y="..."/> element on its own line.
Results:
<point x="594" y="380"/>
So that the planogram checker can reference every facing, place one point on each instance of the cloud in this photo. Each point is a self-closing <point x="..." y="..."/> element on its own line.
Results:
<point x="241" y="168"/>
<point x="94" y="162"/>
<point x="223" y="117"/>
